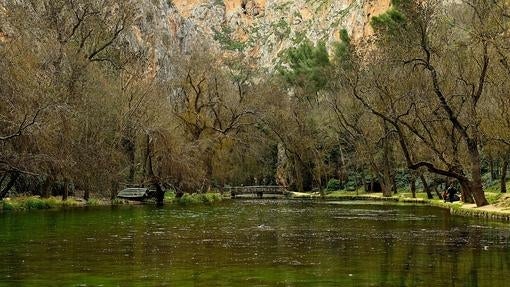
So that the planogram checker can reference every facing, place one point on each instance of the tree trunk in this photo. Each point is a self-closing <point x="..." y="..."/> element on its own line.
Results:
<point x="281" y="175"/>
<point x="438" y="193"/>
<point x="129" y="144"/>
<point x="65" y="193"/>
<point x="492" y="169"/>
<point x="504" y="169"/>
<point x="413" y="185"/>
<point x="307" y="173"/>
<point x="147" y="154"/>
<point x="10" y="184"/>
<point x="160" y="193"/>
<point x="4" y="176"/>
<point x="114" y="189"/>
<point x="298" y="176"/>
<point x="475" y="185"/>
<point x="342" y="172"/>
<point x="387" y="185"/>
<point x="131" y="157"/>
<point x="209" y="169"/>
<point x="466" y="191"/>
<point x="154" y="181"/>
<point x="387" y="182"/>
<point x="46" y="188"/>
<point x="388" y="178"/>
<point x="426" y="187"/>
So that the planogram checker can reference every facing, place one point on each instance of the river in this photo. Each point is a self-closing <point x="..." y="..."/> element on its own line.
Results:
<point x="253" y="243"/>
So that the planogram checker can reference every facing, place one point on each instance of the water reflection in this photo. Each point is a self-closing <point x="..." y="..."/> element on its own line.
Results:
<point x="263" y="243"/>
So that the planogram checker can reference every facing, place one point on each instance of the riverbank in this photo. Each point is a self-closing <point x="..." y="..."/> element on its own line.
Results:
<point x="499" y="207"/>
<point x="27" y="203"/>
<point x="36" y="203"/>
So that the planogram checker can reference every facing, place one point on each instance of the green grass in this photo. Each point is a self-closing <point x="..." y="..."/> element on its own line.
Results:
<point x="199" y="198"/>
<point x="94" y="202"/>
<point x="169" y="196"/>
<point x="504" y="202"/>
<point x="494" y="186"/>
<point x="305" y="195"/>
<point x="407" y="194"/>
<point x="118" y="201"/>
<point x="360" y="194"/>
<point x="492" y="197"/>
<point x="34" y="203"/>
<point x="359" y="191"/>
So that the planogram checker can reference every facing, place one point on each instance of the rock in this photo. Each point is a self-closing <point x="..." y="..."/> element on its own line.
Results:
<point x="259" y="29"/>
<point x="264" y="27"/>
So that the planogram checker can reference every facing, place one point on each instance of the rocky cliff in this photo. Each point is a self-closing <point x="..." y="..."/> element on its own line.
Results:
<point x="259" y="29"/>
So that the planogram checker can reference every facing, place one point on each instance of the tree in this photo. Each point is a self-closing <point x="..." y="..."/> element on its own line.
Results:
<point x="72" y="50"/>
<point x="426" y="79"/>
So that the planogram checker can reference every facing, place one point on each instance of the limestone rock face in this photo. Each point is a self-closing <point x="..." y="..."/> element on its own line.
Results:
<point x="260" y="29"/>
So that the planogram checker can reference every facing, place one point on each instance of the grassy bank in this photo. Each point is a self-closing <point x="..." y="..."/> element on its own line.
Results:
<point x="37" y="203"/>
<point x="499" y="207"/>
<point x="193" y="199"/>
<point x="33" y="203"/>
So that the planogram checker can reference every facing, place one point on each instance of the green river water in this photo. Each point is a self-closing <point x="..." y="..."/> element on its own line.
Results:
<point x="253" y="243"/>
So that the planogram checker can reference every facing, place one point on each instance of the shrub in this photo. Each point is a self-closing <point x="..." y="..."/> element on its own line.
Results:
<point x="94" y="202"/>
<point x="334" y="185"/>
<point x="493" y="197"/>
<point x="199" y="198"/>
<point x="31" y="203"/>
<point x="10" y="205"/>
<point x="169" y="195"/>
<point x="37" y="203"/>
<point x="117" y="201"/>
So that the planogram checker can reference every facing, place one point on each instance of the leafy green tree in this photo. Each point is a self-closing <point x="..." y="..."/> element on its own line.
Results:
<point x="306" y="65"/>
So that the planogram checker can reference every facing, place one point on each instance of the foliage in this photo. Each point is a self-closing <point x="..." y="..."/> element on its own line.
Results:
<point x="492" y="197"/>
<point x="389" y="21"/>
<point x="334" y="184"/>
<point x="118" y="201"/>
<point x="93" y="202"/>
<point x="81" y="107"/>
<point x="281" y="28"/>
<point x="504" y="202"/>
<point x="408" y="88"/>
<point x="199" y="198"/>
<point x="306" y="65"/>
<point x="169" y="195"/>
<point x="343" y="48"/>
<point x="224" y="37"/>
<point x="219" y="2"/>
<point x="34" y="203"/>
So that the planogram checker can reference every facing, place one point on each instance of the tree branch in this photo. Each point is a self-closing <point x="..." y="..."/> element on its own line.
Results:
<point x="23" y="126"/>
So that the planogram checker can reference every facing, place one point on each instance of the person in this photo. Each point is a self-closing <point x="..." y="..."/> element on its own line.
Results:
<point x="452" y="192"/>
